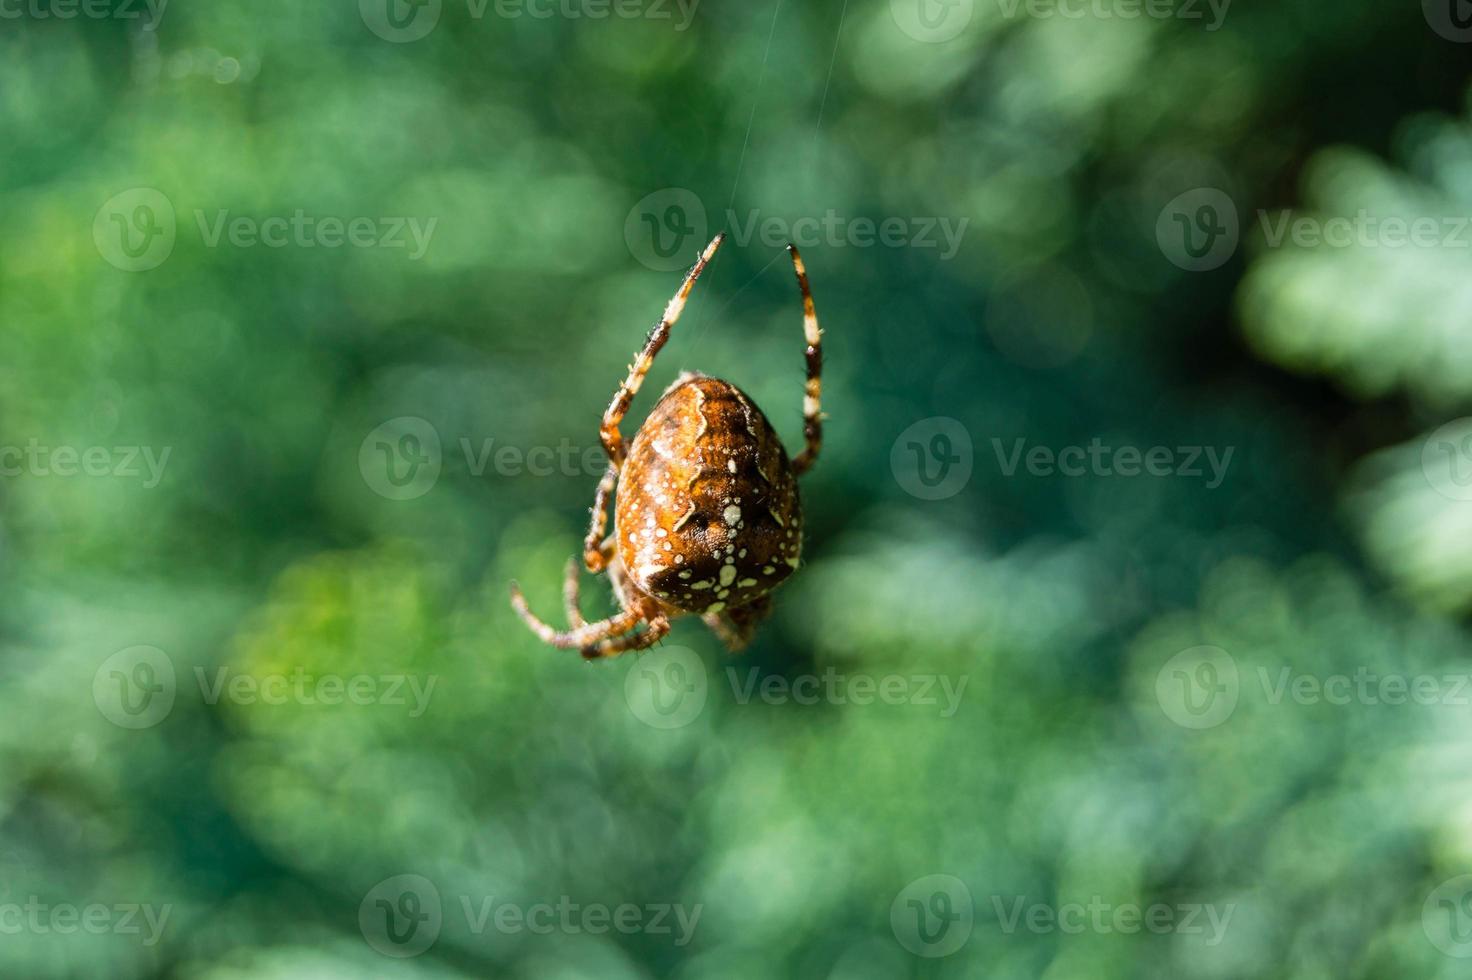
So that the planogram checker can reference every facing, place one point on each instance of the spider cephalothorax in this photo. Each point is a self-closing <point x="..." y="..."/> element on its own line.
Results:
<point x="708" y="519"/>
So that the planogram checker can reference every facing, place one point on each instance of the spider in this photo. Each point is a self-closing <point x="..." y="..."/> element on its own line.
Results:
<point x="708" y="520"/>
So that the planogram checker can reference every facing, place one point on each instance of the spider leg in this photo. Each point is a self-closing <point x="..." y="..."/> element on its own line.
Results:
<point x="593" y="554"/>
<point x="736" y="627"/>
<point x="585" y="635"/>
<point x="613" y="440"/>
<point x="812" y="415"/>
<point x="570" y="595"/>
<point x="570" y="580"/>
<point x="724" y="631"/>
<point x="612" y="647"/>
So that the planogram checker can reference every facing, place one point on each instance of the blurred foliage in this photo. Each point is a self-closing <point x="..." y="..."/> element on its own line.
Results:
<point x="266" y="550"/>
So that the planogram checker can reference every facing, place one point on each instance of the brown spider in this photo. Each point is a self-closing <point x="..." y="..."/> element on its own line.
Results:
<point x="708" y="519"/>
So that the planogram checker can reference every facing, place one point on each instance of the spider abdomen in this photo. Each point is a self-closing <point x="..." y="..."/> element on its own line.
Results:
<point x="708" y="516"/>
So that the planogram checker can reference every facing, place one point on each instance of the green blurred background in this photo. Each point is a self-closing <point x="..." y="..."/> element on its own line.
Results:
<point x="264" y="449"/>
